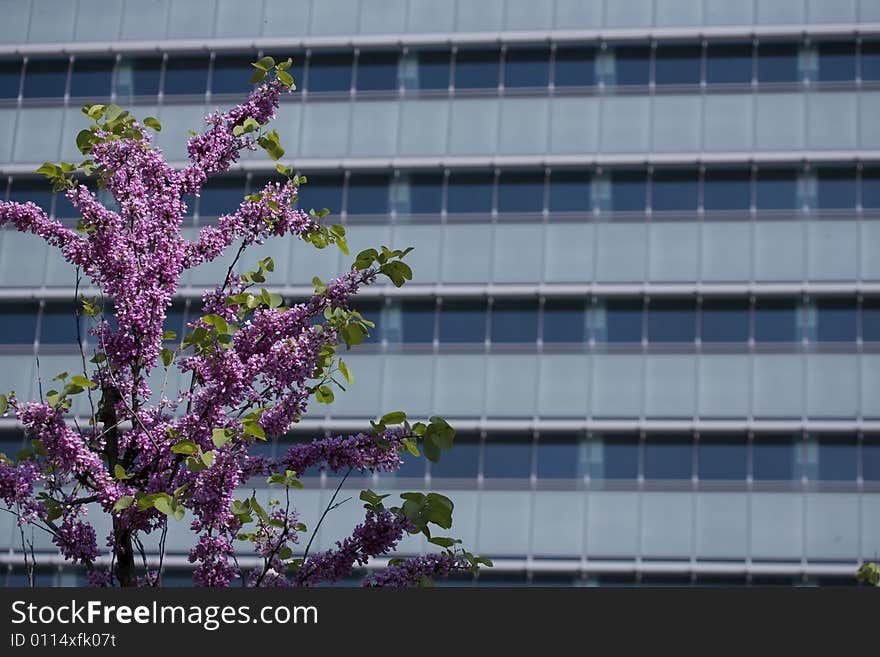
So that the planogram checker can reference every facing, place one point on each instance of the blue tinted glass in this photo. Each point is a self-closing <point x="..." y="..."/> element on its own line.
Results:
<point x="570" y="191"/>
<point x="38" y="191"/>
<point x="778" y="62"/>
<point x="729" y="64"/>
<point x="837" y="188"/>
<point x="232" y="74"/>
<point x="469" y="193"/>
<point x="139" y="76"/>
<point x="221" y="196"/>
<point x="322" y="192"/>
<point x="266" y="448"/>
<point x="413" y="466"/>
<point x="186" y="75"/>
<point x="870" y="69"/>
<point x="871" y="320"/>
<point x="837" y="62"/>
<point x="417" y="321"/>
<point x="837" y="320"/>
<point x="559" y="457"/>
<point x="677" y="65"/>
<point x="724" y="321"/>
<point x="377" y="71"/>
<point x="462" y="461"/>
<point x="420" y="194"/>
<point x="64" y="208"/>
<point x="462" y="322"/>
<point x="515" y="322"/>
<point x="11" y="442"/>
<point x="521" y="192"/>
<point x="838" y="458"/>
<point x="432" y="70"/>
<point x="58" y="325"/>
<point x="632" y="65"/>
<point x="672" y="321"/>
<point x="623" y="321"/>
<point x="564" y="321"/>
<point x="727" y="190"/>
<point x="477" y="69"/>
<point x="871" y="188"/>
<point x="506" y="458"/>
<point x="629" y="191"/>
<point x="775" y="458"/>
<point x="368" y="194"/>
<point x="871" y="458"/>
<point x="18" y="323"/>
<point x="527" y="67"/>
<point x="721" y="457"/>
<point x="10" y="78"/>
<point x="174" y="320"/>
<point x="45" y="78"/>
<point x="330" y="71"/>
<point x="668" y="457"/>
<point x="675" y="190"/>
<point x="776" y="321"/>
<point x="776" y="190"/>
<point x="91" y="77"/>
<point x="619" y="457"/>
<point x="574" y="67"/>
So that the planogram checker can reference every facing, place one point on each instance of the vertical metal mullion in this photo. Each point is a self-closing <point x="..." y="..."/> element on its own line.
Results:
<point x="209" y="86"/>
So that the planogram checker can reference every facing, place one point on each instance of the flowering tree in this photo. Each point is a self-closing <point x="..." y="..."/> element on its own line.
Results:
<point x="252" y="366"/>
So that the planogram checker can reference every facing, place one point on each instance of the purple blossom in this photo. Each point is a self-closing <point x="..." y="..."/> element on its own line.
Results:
<point x="77" y="541"/>
<point x="410" y="572"/>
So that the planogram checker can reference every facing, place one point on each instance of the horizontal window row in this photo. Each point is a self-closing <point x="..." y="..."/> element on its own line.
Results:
<point x="574" y="320"/>
<point x="554" y="191"/>
<point x="464" y="68"/>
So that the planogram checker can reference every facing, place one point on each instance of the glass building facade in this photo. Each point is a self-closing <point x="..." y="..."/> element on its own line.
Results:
<point x="647" y="281"/>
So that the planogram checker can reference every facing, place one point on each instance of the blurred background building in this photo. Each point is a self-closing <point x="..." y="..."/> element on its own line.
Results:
<point x="647" y="283"/>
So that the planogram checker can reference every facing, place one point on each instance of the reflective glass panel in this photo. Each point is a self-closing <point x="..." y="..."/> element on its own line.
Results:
<point x="507" y="457"/>
<point x="675" y="190"/>
<point x="92" y="77"/>
<point x="527" y="67"/>
<point x="727" y="190"/>
<point x="632" y="65"/>
<point x="322" y="192"/>
<point x="462" y="322"/>
<point x="871" y="320"/>
<point x="564" y="321"/>
<point x="515" y="321"/>
<point x="672" y="321"/>
<point x="837" y="61"/>
<point x="724" y="321"/>
<point x="330" y="71"/>
<point x="18" y="323"/>
<point x="778" y="62"/>
<point x="368" y="194"/>
<point x="870" y="60"/>
<point x="623" y="320"/>
<point x="521" y="192"/>
<point x="871" y="188"/>
<point x="668" y="457"/>
<point x="232" y="74"/>
<point x="432" y="70"/>
<point x="420" y="194"/>
<point x="186" y="76"/>
<point x="138" y="76"/>
<point x="574" y="67"/>
<point x="45" y="78"/>
<point x="463" y="461"/>
<point x="729" y="64"/>
<point x="837" y="188"/>
<point x="776" y="458"/>
<point x="629" y="191"/>
<point x="776" y="320"/>
<point x="560" y="457"/>
<point x="677" y="65"/>
<point x="470" y="193"/>
<point x="837" y="320"/>
<point x="58" y="325"/>
<point x="838" y="458"/>
<point x="721" y="457"/>
<point x="477" y="69"/>
<point x="570" y="191"/>
<point x="776" y="190"/>
<point x="871" y="457"/>
<point x="221" y="196"/>
<point x="10" y="78"/>
<point x="377" y="71"/>
<point x="614" y="456"/>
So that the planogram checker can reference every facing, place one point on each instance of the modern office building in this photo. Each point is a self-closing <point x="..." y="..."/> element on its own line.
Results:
<point x="647" y="257"/>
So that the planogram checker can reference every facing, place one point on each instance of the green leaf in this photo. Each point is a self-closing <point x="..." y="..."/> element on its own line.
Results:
<point x="195" y="465"/>
<point x="217" y="322"/>
<point x="258" y="76"/>
<point x="4" y="404"/>
<point x="123" y="503"/>
<point x="84" y="141"/>
<point x="324" y="395"/>
<point x="163" y="503"/>
<point x="167" y="356"/>
<point x="395" y="417"/>
<point x="254" y="429"/>
<point x="179" y="512"/>
<point x="185" y="447"/>
<point x="264" y="63"/>
<point x="285" y="78"/>
<point x="82" y="381"/>
<point x="343" y="368"/>
<point x="208" y="458"/>
<point x="219" y="437"/>
<point x="119" y="473"/>
<point x="113" y="112"/>
<point x="286" y="64"/>
<point x="153" y="123"/>
<point x="169" y="336"/>
<point x="443" y="541"/>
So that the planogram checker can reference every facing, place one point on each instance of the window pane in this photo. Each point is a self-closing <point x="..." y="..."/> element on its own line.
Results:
<point x="560" y="457"/>
<point x="776" y="321"/>
<point x="462" y="461"/>
<point x="724" y="321"/>
<point x="186" y="75"/>
<point x="776" y="190"/>
<point x="431" y="70"/>
<point x="721" y="457"/>
<point x="837" y="188"/>
<point x="871" y="188"/>
<point x="38" y="191"/>
<point x="629" y="191"/>
<point x="729" y="64"/>
<point x="871" y="320"/>
<point x="377" y="71"/>
<point x="470" y="193"/>
<point x="10" y="78"/>
<point x="18" y="323"/>
<point x="139" y="76"/>
<point x="837" y="62"/>
<point x="871" y="458"/>
<point x="368" y="194"/>
<point x="91" y="77"/>
<point x="45" y="78"/>
<point x="221" y="196"/>
<point x="515" y="321"/>
<point x="322" y="192"/>
<point x="174" y="320"/>
<point x="614" y="457"/>
<point x="727" y="190"/>
<point x="668" y="457"/>
<point x="527" y="67"/>
<point x="677" y="65"/>
<point x="462" y="322"/>
<point x="521" y="192"/>
<point x="675" y="190"/>
<point x="671" y="321"/>
<point x="838" y="458"/>
<point x="837" y="320"/>
<point x="58" y="325"/>
<point x="232" y="74"/>
<point x="870" y="69"/>
<point x="11" y="442"/>
<point x="778" y="62"/>
<point x="415" y="322"/>
<point x="477" y="69"/>
<point x="574" y="67"/>
<point x="419" y="194"/>
<point x="632" y="65"/>
<point x="507" y="458"/>
<point x="330" y="72"/>
<point x="564" y="321"/>
<point x="372" y="311"/>
<point x="570" y="191"/>
<point x="775" y="458"/>
<point x="623" y="321"/>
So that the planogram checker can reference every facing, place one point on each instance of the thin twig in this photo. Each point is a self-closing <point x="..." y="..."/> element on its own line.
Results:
<point x="324" y="515"/>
